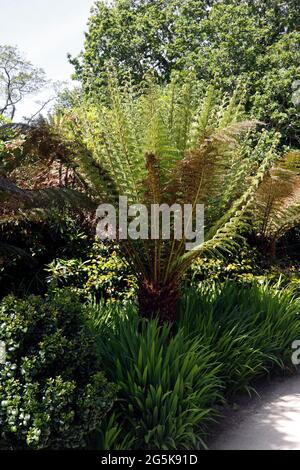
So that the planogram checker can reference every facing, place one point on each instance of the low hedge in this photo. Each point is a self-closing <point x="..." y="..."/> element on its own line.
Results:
<point x="53" y="393"/>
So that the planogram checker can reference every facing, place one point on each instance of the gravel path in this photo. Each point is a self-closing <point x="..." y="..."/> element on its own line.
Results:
<point x="271" y="422"/>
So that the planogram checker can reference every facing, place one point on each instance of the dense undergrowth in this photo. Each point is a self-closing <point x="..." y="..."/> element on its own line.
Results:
<point x="236" y="323"/>
<point x="53" y="393"/>
<point x="63" y="357"/>
<point x="170" y="382"/>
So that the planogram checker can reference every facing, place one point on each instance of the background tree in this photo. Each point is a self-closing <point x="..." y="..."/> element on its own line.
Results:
<point x="225" y="41"/>
<point x="140" y="35"/>
<point x="273" y="101"/>
<point x="18" y="78"/>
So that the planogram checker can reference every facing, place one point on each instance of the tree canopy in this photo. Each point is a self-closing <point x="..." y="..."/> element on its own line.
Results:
<point x="224" y="41"/>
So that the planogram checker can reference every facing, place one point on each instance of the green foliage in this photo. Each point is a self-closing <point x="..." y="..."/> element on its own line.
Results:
<point x="247" y="266"/>
<point x="225" y="338"/>
<point x="226" y="41"/>
<point x="250" y="328"/>
<point x="31" y="244"/>
<point x="102" y="274"/>
<point x="242" y="266"/>
<point x="138" y="36"/>
<point x="167" y="385"/>
<point x="52" y="393"/>
<point x="112" y="436"/>
<point x="273" y="100"/>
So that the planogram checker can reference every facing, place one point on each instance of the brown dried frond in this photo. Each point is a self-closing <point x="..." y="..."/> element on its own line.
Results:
<point x="291" y="161"/>
<point x="152" y="182"/>
<point x="279" y="190"/>
<point x="197" y="175"/>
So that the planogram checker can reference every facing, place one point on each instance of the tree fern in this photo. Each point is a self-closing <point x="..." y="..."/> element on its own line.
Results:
<point x="170" y="145"/>
<point x="174" y="144"/>
<point x="276" y="206"/>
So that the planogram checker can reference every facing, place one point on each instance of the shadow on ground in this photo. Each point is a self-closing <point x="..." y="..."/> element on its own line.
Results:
<point x="271" y="422"/>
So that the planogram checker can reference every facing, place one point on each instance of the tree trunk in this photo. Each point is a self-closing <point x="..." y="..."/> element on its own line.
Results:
<point x="158" y="301"/>
<point x="267" y="247"/>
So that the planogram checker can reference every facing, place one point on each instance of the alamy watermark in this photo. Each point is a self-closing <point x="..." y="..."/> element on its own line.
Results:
<point x="160" y="221"/>
<point x="2" y="352"/>
<point x="296" y="353"/>
<point x="296" y="93"/>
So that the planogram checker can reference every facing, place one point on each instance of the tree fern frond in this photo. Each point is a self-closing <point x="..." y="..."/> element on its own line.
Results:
<point x="278" y="198"/>
<point x="45" y="197"/>
<point x="6" y="249"/>
<point x="291" y="161"/>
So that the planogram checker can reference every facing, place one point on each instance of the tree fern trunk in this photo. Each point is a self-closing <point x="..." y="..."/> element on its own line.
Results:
<point x="158" y="301"/>
<point x="267" y="247"/>
<point x="271" y="249"/>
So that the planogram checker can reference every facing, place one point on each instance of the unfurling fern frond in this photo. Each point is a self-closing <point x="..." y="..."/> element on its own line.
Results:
<point x="152" y="181"/>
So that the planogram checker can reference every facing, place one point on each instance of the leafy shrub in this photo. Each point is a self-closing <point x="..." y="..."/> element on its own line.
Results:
<point x="242" y="266"/>
<point x="247" y="266"/>
<point x="102" y="275"/>
<point x="52" y="394"/>
<point x="28" y="245"/>
<point x="251" y="328"/>
<point x="168" y="385"/>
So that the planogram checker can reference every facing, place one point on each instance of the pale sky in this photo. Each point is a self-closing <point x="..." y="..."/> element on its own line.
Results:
<point x="45" y="31"/>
